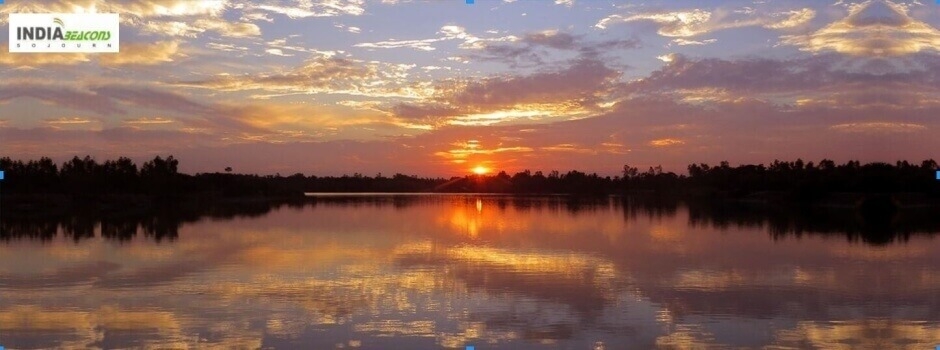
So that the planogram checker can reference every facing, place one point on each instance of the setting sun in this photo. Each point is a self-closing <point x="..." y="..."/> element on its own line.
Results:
<point x="481" y="170"/>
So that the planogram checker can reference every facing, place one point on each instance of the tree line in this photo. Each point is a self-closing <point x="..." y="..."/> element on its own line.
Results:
<point x="161" y="177"/>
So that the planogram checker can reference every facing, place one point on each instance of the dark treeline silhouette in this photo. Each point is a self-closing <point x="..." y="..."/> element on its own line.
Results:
<point x="161" y="177"/>
<point x="810" y="181"/>
<point x="797" y="180"/>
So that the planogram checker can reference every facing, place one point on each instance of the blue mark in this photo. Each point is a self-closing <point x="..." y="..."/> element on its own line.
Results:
<point x="469" y="2"/>
<point x="938" y="178"/>
<point x="1" y="178"/>
<point x="471" y="347"/>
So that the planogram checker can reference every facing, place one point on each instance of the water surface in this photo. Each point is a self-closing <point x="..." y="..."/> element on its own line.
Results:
<point x="496" y="272"/>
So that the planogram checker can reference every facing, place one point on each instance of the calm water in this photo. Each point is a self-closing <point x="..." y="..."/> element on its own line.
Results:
<point x="449" y="271"/>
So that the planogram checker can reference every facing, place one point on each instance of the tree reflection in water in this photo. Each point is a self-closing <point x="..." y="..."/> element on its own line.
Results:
<point x="878" y="226"/>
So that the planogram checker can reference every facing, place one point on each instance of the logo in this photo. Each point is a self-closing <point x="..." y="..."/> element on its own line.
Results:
<point x="64" y="32"/>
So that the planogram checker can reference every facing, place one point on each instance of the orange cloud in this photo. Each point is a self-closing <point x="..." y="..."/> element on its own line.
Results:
<point x="465" y="150"/>
<point x="142" y="54"/>
<point x="40" y="59"/>
<point x="873" y="28"/>
<point x="666" y="142"/>
<point x="325" y="72"/>
<point x="571" y="92"/>
<point x="878" y="127"/>
<point x="568" y="147"/>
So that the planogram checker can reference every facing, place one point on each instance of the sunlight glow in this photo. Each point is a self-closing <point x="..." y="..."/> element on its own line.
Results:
<point x="480" y="170"/>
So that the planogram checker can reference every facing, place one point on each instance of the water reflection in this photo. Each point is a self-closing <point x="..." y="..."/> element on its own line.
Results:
<point x="779" y="221"/>
<point x="446" y="271"/>
<point x="159" y="223"/>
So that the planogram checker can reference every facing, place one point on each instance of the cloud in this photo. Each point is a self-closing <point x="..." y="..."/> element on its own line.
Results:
<point x="282" y="45"/>
<point x="673" y="24"/>
<point x="462" y="151"/>
<point x="68" y="98"/>
<point x="226" y="28"/>
<point x="192" y="29"/>
<point x="323" y="73"/>
<point x="430" y="113"/>
<point x="878" y="127"/>
<point x="68" y="121"/>
<point x="872" y="29"/>
<point x="568" y="147"/>
<point x="529" y="48"/>
<point x="551" y="38"/>
<point x="570" y="91"/>
<point x="142" y="54"/>
<point x="227" y="47"/>
<point x="533" y="47"/>
<point x="277" y="52"/>
<point x="152" y="98"/>
<point x="169" y="18"/>
<point x="317" y="8"/>
<point x="422" y="44"/>
<point x="684" y="42"/>
<point x="213" y="123"/>
<point x="820" y="80"/>
<point x="581" y="81"/>
<point x="135" y="8"/>
<point x="695" y="22"/>
<point x="447" y="33"/>
<point x="740" y="75"/>
<point x="118" y="100"/>
<point x="148" y="121"/>
<point x="131" y="54"/>
<point x="666" y="142"/>
<point x="45" y="59"/>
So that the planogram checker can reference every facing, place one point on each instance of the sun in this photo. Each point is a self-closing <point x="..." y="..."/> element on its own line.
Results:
<point x="480" y="170"/>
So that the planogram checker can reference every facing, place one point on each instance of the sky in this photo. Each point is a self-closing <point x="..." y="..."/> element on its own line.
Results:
<point x="438" y="88"/>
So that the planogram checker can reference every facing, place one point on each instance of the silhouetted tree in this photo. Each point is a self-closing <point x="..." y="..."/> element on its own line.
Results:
<point x="798" y="180"/>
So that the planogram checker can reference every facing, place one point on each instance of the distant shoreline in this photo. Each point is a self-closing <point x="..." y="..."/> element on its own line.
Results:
<point x="121" y="183"/>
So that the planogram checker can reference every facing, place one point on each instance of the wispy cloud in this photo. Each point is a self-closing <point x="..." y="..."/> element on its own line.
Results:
<point x="872" y="28"/>
<point x="323" y="73"/>
<point x="318" y="8"/>
<point x="695" y="22"/>
<point x="446" y="33"/>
